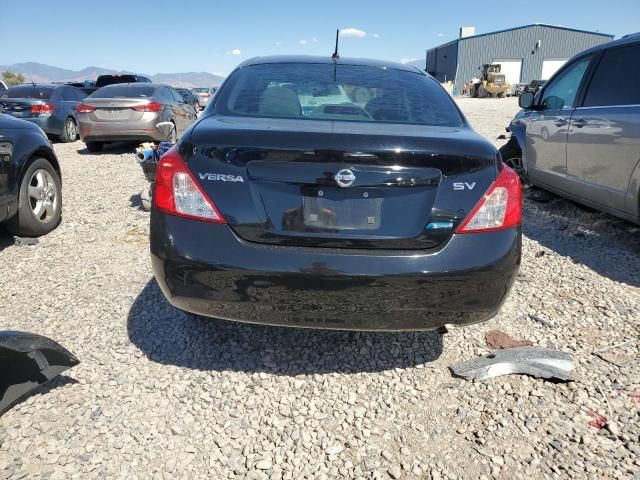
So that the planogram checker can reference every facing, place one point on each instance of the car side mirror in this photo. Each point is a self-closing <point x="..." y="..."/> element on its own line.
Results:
<point x="525" y="100"/>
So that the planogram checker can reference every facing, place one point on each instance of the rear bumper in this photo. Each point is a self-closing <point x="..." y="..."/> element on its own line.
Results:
<point x="120" y="131"/>
<point x="206" y="269"/>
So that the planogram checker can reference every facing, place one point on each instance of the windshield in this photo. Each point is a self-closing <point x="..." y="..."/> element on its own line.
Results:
<point x="354" y="93"/>
<point x="127" y="91"/>
<point x="28" y="91"/>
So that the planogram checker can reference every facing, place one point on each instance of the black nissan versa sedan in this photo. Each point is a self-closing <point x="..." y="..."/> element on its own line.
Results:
<point x="346" y="194"/>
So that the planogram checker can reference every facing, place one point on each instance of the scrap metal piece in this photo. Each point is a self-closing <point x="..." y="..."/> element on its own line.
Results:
<point x="27" y="361"/>
<point x="535" y="361"/>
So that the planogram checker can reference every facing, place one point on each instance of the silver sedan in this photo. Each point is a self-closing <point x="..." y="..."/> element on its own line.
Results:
<point x="133" y="112"/>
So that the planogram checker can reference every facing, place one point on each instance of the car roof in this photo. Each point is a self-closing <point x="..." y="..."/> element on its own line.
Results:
<point x="365" y="62"/>
<point x="136" y="85"/>
<point x="626" y="40"/>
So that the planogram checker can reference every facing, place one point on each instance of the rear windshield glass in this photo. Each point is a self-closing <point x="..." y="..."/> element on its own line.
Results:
<point x="28" y="91"/>
<point x="200" y="90"/>
<point x="124" y="91"/>
<point x="111" y="80"/>
<point x="350" y="92"/>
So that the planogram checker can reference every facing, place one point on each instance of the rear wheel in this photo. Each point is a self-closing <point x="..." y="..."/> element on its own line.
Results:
<point x="512" y="157"/>
<point x="95" y="146"/>
<point x="39" y="201"/>
<point x="70" y="131"/>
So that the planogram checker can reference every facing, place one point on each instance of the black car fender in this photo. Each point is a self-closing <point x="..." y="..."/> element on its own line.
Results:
<point x="30" y="145"/>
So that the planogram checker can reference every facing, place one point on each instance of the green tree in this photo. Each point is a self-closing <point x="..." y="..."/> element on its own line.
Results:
<point x="12" y="79"/>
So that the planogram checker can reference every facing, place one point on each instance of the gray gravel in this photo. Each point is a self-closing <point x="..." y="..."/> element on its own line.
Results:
<point x="162" y="394"/>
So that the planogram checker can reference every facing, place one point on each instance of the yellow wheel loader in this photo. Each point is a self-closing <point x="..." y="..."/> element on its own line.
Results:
<point x="491" y="83"/>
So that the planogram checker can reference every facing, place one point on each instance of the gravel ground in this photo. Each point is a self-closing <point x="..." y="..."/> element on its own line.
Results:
<point x="162" y="394"/>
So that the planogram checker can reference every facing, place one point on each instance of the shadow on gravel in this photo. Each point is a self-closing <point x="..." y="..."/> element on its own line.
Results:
<point x="604" y="243"/>
<point x="169" y="336"/>
<point x="57" y="382"/>
<point x="6" y="239"/>
<point x="114" y="148"/>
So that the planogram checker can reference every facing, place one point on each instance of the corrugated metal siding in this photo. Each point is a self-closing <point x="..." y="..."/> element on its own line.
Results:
<point x="442" y="61"/>
<point x="517" y="44"/>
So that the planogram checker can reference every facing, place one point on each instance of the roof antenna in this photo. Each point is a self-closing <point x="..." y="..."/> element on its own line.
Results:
<point x="335" y="55"/>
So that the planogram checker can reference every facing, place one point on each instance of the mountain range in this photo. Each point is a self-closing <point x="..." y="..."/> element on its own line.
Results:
<point x="40" y="73"/>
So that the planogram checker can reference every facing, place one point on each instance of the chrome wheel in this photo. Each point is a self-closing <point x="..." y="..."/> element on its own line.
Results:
<point x="71" y="130"/>
<point x="43" y="196"/>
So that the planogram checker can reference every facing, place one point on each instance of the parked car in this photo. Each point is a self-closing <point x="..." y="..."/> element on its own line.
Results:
<point x="534" y="86"/>
<point x="51" y="107"/>
<point x="189" y="98"/>
<point x="104" y="80"/>
<point x="579" y="136"/>
<point x="204" y="94"/>
<point x="282" y="209"/>
<point x="132" y="112"/>
<point x="30" y="181"/>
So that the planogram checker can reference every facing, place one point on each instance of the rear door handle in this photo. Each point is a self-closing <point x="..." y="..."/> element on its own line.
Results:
<point x="561" y="122"/>
<point x="579" y="122"/>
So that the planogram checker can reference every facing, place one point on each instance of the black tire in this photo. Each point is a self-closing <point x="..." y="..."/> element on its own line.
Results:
<point x="512" y="156"/>
<point x="69" y="131"/>
<point x="95" y="146"/>
<point x="26" y="222"/>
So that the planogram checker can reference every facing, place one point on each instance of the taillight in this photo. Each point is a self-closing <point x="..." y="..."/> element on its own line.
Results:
<point x="148" y="107"/>
<point x="500" y="207"/>
<point x="84" y="108"/>
<point x="43" y="110"/>
<point x="177" y="192"/>
<point x="205" y="94"/>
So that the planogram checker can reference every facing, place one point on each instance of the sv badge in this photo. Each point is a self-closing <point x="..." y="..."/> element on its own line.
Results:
<point x="464" y="186"/>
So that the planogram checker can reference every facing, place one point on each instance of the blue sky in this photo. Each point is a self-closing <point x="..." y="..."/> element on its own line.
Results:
<point x="214" y="36"/>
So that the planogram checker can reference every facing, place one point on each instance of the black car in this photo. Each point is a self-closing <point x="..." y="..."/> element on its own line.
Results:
<point x="534" y="86"/>
<point x="30" y="181"/>
<point x="189" y="98"/>
<point x="346" y="194"/>
<point x="52" y="107"/>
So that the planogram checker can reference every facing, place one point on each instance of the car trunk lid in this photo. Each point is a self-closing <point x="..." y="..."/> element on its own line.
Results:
<point x="340" y="184"/>
<point x="21" y="107"/>
<point x="115" y="109"/>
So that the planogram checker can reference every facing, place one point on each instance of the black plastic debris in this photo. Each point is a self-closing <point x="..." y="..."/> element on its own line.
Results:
<point x="535" y="361"/>
<point x="27" y="361"/>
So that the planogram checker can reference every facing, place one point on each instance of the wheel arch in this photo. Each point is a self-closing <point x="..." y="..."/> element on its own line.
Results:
<point x="41" y="152"/>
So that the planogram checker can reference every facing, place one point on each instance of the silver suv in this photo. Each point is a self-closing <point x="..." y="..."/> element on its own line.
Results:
<point x="579" y="136"/>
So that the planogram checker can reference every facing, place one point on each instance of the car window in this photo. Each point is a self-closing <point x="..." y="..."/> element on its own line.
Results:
<point x="67" y="95"/>
<point x="166" y="94"/>
<point x="79" y="94"/>
<point x="561" y="91"/>
<point x="176" y="96"/>
<point x="616" y="79"/>
<point x="201" y="90"/>
<point x="28" y="91"/>
<point x="344" y="92"/>
<point x="124" y="91"/>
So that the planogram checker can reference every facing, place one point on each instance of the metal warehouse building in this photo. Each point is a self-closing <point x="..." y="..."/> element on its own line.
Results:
<point x="527" y="53"/>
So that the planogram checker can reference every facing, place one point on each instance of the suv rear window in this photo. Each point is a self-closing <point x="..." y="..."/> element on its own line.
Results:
<point x="104" y="80"/>
<point x="124" y="91"/>
<point x="348" y="92"/>
<point x="615" y="81"/>
<point x="28" y="91"/>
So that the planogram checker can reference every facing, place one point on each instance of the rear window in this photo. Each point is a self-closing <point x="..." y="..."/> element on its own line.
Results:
<point x="128" y="91"/>
<point x="615" y="81"/>
<point x="104" y="80"/>
<point x="28" y="91"/>
<point x="348" y="92"/>
<point x="200" y="90"/>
